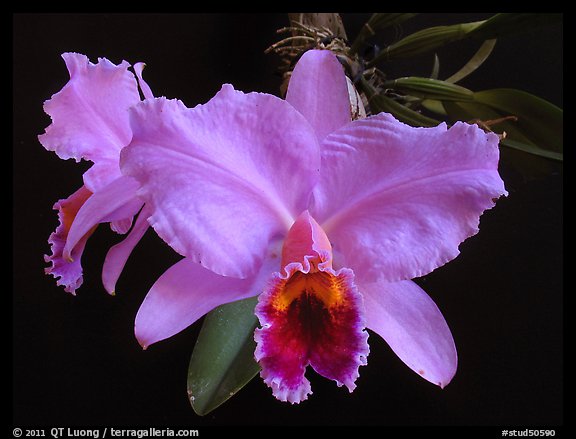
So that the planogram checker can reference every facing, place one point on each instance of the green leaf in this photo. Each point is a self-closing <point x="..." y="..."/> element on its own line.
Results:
<point x="475" y="112"/>
<point x="537" y="130"/>
<point x="532" y="149"/>
<point x="432" y="38"/>
<point x="513" y="23"/>
<point x="518" y="151"/>
<point x="428" y="88"/>
<point x="476" y="61"/>
<point x="425" y="40"/>
<point x="223" y="359"/>
<point x="381" y="103"/>
<point x="539" y="120"/>
<point x="435" y="106"/>
<point x="435" y="68"/>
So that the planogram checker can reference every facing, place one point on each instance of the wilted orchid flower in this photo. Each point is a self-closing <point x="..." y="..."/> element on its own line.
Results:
<point x="90" y="121"/>
<point x="326" y="219"/>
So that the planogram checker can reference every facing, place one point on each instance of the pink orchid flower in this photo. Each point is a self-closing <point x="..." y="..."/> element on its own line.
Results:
<point x="326" y="219"/>
<point x="90" y="121"/>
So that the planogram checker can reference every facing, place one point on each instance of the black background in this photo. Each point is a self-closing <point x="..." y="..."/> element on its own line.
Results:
<point x="75" y="359"/>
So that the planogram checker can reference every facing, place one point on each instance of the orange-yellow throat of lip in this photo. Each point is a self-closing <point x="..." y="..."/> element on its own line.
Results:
<point x="322" y="285"/>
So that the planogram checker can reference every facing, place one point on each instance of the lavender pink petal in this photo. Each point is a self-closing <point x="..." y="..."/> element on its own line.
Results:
<point x="318" y="90"/>
<point x="90" y="116"/>
<point x="187" y="291"/>
<point x="114" y="202"/>
<point x="411" y="323"/>
<point x="118" y="255"/>
<point x="397" y="201"/>
<point x="216" y="175"/>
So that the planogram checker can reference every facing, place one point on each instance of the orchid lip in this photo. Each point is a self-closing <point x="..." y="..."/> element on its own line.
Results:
<point x="312" y="316"/>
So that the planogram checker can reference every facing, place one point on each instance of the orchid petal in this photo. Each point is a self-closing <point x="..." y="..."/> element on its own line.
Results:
<point x="216" y="176"/>
<point x="100" y="174"/>
<point x="118" y="255"/>
<point x="146" y="91"/>
<point x="397" y="201"/>
<point x="68" y="272"/>
<point x="90" y="115"/>
<point x="187" y="291"/>
<point x="411" y="323"/>
<point x="319" y="91"/>
<point x="123" y="225"/>
<point x="114" y="202"/>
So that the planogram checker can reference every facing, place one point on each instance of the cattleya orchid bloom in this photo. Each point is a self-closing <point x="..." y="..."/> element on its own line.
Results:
<point x="328" y="220"/>
<point x="90" y="121"/>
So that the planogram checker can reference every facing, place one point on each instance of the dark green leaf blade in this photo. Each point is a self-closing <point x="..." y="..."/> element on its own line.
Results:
<point x="378" y="103"/>
<point x="539" y="120"/>
<point x="381" y="103"/>
<point x="472" y="112"/>
<point x="513" y="23"/>
<point x="496" y="26"/>
<point x="532" y="149"/>
<point x="517" y="151"/>
<point x="425" y="40"/>
<point x="223" y="359"/>
<point x="475" y="62"/>
<point x="428" y="88"/>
